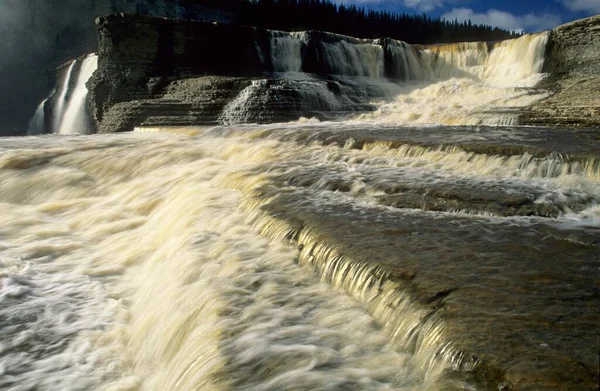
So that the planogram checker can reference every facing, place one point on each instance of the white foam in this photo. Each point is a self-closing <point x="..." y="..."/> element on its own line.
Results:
<point x="151" y="277"/>
<point x="467" y="84"/>
<point x="74" y="120"/>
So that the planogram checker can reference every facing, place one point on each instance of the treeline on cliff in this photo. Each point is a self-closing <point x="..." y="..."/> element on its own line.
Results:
<point x="324" y="15"/>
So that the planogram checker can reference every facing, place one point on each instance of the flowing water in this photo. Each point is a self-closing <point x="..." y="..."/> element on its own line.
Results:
<point x="356" y="255"/>
<point x="36" y="124"/>
<point x="74" y="120"/>
<point x="163" y="261"/>
<point x="200" y="301"/>
<point x="61" y="99"/>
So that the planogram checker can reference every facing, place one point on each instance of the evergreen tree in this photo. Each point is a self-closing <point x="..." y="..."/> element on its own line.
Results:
<point x="324" y="15"/>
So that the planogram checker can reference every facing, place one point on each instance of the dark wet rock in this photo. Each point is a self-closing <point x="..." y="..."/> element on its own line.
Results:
<point x="139" y="54"/>
<point x="181" y="103"/>
<point x="156" y="71"/>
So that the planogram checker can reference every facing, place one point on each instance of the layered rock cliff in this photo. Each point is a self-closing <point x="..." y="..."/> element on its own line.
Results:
<point x="38" y="36"/>
<point x="156" y="71"/>
<point x="573" y="64"/>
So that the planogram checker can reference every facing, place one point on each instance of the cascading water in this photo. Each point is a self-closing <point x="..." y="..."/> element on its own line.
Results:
<point x="404" y="61"/>
<point x="352" y="59"/>
<point x="352" y="255"/>
<point x="37" y="123"/>
<point x="156" y="274"/>
<point x="468" y="84"/>
<point x="458" y="84"/>
<point x="74" y="119"/>
<point x="59" y="105"/>
<point x="286" y="51"/>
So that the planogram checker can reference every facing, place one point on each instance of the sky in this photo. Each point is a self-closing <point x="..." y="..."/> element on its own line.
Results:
<point x="514" y="15"/>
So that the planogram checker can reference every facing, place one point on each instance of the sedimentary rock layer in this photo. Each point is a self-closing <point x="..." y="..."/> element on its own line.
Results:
<point x="573" y="64"/>
<point x="156" y="71"/>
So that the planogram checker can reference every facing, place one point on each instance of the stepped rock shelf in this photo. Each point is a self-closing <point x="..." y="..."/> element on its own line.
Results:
<point x="157" y="71"/>
<point x="528" y="318"/>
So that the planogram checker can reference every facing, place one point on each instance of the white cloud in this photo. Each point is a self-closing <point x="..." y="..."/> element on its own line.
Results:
<point x="529" y="22"/>
<point x="423" y="5"/>
<point x="419" y="5"/>
<point x="588" y="6"/>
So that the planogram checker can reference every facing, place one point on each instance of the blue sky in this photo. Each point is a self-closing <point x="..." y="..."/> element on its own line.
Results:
<point x="516" y="15"/>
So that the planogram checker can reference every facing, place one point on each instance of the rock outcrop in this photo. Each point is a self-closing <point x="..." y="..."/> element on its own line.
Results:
<point x="573" y="64"/>
<point x="155" y="71"/>
<point x="38" y="36"/>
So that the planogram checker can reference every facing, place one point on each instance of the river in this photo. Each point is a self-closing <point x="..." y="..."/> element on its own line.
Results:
<point x="390" y="251"/>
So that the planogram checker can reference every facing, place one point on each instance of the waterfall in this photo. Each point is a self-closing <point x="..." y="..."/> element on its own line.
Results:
<point x="466" y="83"/>
<point x="517" y="62"/>
<point x="403" y="61"/>
<point x="37" y="123"/>
<point x="470" y="83"/>
<point x="60" y="101"/>
<point x="74" y="119"/>
<point x="293" y="98"/>
<point x="351" y="59"/>
<point x="339" y="54"/>
<point x="286" y="52"/>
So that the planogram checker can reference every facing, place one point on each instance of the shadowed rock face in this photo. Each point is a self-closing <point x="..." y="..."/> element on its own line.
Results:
<point x="38" y="36"/>
<point x="573" y="63"/>
<point x="156" y="71"/>
<point x="139" y="56"/>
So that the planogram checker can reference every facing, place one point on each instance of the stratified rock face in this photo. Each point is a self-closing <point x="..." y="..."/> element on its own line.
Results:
<point x="138" y="55"/>
<point x="573" y="64"/>
<point x="153" y="71"/>
<point x="156" y="71"/>
<point x="38" y="36"/>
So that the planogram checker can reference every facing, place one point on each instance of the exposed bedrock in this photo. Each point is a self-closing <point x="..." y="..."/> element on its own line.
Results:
<point x="39" y="35"/>
<point x="573" y="64"/>
<point x="156" y="71"/>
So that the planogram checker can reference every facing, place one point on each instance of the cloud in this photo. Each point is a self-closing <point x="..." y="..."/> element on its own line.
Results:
<point x="529" y="22"/>
<point x="419" y="5"/>
<point x="588" y="6"/>
<point x="423" y="5"/>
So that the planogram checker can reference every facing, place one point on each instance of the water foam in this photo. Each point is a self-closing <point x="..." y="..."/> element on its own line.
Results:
<point x="74" y="120"/>
<point x="468" y="84"/>
<point x="200" y="301"/>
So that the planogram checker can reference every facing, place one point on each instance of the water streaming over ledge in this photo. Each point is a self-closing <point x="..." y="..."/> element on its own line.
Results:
<point x="59" y="106"/>
<point x="242" y="313"/>
<point x="353" y="255"/>
<point x="222" y="229"/>
<point x="74" y="120"/>
<point x="475" y="84"/>
<point x="69" y="104"/>
<point x="37" y="123"/>
<point x="456" y="84"/>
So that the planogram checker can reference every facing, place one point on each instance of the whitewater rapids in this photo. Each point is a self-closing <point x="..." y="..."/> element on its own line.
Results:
<point x="148" y="261"/>
<point x="127" y="263"/>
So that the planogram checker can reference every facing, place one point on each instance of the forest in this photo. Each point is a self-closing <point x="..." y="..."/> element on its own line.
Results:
<point x="325" y="15"/>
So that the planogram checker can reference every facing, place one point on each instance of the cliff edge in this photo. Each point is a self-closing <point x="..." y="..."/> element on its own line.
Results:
<point x="573" y="64"/>
<point x="157" y="71"/>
